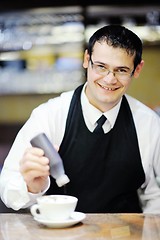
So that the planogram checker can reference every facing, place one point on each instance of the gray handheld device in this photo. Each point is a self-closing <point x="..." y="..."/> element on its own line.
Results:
<point x="55" y="161"/>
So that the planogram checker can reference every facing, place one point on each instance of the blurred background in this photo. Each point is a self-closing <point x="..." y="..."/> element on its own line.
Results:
<point x="41" y="52"/>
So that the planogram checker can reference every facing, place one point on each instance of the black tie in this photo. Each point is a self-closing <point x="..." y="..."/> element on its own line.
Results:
<point x="100" y="123"/>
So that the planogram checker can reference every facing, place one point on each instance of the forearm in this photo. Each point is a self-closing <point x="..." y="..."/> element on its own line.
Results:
<point x="14" y="192"/>
<point x="150" y="197"/>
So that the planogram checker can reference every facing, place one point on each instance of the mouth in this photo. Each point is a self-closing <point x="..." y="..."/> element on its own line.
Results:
<point x="108" y="88"/>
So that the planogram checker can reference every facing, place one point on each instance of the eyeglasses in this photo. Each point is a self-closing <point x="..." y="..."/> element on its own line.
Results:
<point x="120" y="73"/>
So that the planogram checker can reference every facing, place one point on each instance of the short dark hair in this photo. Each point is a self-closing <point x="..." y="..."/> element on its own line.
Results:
<point x="118" y="36"/>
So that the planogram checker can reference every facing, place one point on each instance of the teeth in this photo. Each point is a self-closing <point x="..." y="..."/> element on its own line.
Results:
<point x="107" y="88"/>
<point x="110" y="89"/>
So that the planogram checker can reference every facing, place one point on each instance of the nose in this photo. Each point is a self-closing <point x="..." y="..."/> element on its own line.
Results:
<point x="110" y="78"/>
<point x="109" y="71"/>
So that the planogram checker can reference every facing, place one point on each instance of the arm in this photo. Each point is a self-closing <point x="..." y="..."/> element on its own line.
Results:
<point x="150" y="191"/>
<point x="19" y="187"/>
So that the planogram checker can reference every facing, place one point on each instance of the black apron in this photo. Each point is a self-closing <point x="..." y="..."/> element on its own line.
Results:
<point x="105" y="170"/>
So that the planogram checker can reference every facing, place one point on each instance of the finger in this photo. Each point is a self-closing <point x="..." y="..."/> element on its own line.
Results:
<point x="56" y="147"/>
<point x="34" y="151"/>
<point x="34" y="175"/>
<point x="35" y="163"/>
<point x="36" y="155"/>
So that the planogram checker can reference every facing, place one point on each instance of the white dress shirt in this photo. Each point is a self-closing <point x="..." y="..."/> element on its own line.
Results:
<point x="50" y="118"/>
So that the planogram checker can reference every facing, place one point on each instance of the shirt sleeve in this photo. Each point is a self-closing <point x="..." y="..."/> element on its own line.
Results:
<point x="15" y="194"/>
<point x="13" y="188"/>
<point x="150" y="190"/>
<point x="48" y="118"/>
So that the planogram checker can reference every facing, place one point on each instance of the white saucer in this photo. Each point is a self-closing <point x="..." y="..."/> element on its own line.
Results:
<point x="75" y="218"/>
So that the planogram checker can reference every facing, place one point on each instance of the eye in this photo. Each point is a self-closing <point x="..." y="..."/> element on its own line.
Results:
<point x="121" y="71"/>
<point x="101" y="68"/>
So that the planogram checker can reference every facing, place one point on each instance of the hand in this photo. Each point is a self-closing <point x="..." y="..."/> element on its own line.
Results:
<point x="34" y="167"/>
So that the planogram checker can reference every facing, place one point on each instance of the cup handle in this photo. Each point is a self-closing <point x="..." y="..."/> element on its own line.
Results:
<point x="35" y="210"/>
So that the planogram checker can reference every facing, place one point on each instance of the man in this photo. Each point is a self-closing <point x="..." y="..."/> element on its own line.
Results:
<point x="111" y="171"/>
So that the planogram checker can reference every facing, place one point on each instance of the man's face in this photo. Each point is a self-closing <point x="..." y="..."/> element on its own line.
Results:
<point x="104" y="90"/>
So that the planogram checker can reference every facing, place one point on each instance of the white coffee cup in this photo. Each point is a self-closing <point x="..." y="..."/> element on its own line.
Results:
<point x="54" y="207"/>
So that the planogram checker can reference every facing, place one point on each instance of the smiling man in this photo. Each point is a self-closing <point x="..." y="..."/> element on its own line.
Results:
<point x="112" y="170"/>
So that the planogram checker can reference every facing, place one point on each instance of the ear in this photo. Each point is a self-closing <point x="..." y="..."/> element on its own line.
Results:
<point x="138" y="69"/>
<point x="86" y="59"/>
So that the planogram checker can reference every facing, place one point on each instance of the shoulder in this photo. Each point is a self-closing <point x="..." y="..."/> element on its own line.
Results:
<point x="139" y="107"/>
<point x="50" y="117"/>
<point x="146" y="120"/>
<point x="58" y="103"/>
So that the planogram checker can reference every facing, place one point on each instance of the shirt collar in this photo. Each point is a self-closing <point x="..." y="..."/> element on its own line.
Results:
<point x="92" y="114"/>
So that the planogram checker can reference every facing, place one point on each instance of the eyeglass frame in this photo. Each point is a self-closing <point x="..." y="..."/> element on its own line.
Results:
<point x="107" y="71"/>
